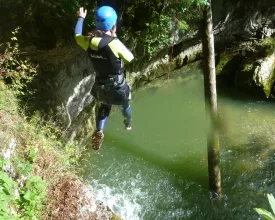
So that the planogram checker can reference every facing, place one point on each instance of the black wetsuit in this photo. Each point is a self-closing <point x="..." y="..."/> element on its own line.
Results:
<point x="110" y="86"/>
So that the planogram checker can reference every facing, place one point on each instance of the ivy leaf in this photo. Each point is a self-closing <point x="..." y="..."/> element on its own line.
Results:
<point x="264" y="213"/>
<point x="271" y="200"/>
<point x="27" y="195"/>
<point x="6" y="181"/>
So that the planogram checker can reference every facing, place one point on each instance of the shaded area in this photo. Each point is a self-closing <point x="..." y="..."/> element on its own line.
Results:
<point x="45" y="24"/>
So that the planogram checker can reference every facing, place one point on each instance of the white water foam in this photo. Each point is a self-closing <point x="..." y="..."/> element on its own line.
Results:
<point x="117" y="200"/>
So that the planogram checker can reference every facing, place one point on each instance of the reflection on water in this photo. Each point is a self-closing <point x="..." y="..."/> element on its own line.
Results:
<point x="159" y="169"/>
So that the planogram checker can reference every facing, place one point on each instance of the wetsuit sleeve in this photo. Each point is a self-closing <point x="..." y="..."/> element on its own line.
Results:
<point x="80" y="39"/>
<point x="120" y="50"/>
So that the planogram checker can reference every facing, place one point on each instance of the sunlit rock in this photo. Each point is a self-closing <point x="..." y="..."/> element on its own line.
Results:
<point x="256" y="72"/>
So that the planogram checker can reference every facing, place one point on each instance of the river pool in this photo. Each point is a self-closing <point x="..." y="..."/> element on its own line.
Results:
<point x="159" y="169"/>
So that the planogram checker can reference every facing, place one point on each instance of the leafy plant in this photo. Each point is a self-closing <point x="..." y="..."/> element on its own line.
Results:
<point x="263" y="212"/>
<point x="1" y="104"/>
<point x="183" y="25"/>
<point x="39" y="158"/>
<point x="25" y="201"/>
<point x="7" y="196"/>
<point x="32" y="196"/>
<point x="73" y="154"/>
<point x="24" y="167"/>
<point x="158" y="34"/>
<point x="18" y="73"/>
<point x="152" y="22"/>
<point x="41" y="19"/>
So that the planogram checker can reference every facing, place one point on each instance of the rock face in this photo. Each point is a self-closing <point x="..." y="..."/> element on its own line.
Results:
<point x="264" y="74"/>
<point x="250" y="67"/>
<point x="257" y="75"/>
<point x="65" y="82"/>
<point x="236" y="20"/>
<point x="139" y="73"/>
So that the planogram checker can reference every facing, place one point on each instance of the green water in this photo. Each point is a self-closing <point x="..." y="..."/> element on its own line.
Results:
<point x="159" y="169"/>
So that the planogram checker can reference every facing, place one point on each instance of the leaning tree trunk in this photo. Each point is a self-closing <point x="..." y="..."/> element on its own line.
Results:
<point x="211" y="101"/>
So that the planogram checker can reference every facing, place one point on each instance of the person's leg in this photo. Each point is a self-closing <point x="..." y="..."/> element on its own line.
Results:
<point x="102" y="116"/>
<point x="101" y="120"/>
<point x="127" y="113"/>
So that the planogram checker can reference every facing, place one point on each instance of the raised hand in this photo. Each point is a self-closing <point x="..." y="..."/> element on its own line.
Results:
<point x="81" y="12"/>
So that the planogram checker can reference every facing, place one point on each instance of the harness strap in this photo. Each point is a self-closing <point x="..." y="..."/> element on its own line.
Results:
<point x="113" y="80"/>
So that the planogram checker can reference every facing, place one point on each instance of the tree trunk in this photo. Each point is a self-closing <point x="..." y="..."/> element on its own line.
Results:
<point x="211" y="102"/>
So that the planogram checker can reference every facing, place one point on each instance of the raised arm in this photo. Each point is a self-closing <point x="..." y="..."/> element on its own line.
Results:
<point x="80" y="39"/>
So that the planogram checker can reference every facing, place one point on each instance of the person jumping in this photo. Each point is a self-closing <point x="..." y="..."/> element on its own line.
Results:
<point x="107" y="53"/>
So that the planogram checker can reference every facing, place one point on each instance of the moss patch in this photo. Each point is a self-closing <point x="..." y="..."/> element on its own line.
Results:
<point x="267" y="46"/>
<point x="224" y="59"/>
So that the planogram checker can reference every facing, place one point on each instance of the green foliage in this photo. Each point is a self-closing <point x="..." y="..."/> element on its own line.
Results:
<point x="7" y="100"/>
<point x="50" y="137"/>
<point x="29" y="201"/>
<point x="25" y="201"/>
<point x="32" y="196"/>
<point x="160" y="32"/>
<point x="40" y="158"/>
<point x="8" y="189"/>
<point x="49" y="133"/>
<point x="45" y="23"/>
<point x="19" y="73"/>
<point x="153" y="22"/>
<point x="268" y="45"/>
<point x="1" y="104"/>
<point x="32" y="153"/>
<point x="73" y="154"/>
<point x="263" y="212"/>
<point x="222" y="63"/>
<point x="201" y="2"/>
<point x="22" y="166"/>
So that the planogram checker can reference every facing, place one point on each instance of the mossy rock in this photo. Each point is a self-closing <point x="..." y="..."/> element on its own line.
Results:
<point x="266" y="47"/>
<point x="256" y="75"/>
<point x="115" y="217"/>
<point x="224" y="59"/>
<point x="227" y="67"/>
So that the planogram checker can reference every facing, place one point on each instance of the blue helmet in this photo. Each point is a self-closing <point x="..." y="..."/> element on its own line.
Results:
<point x="105" y="18"/>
